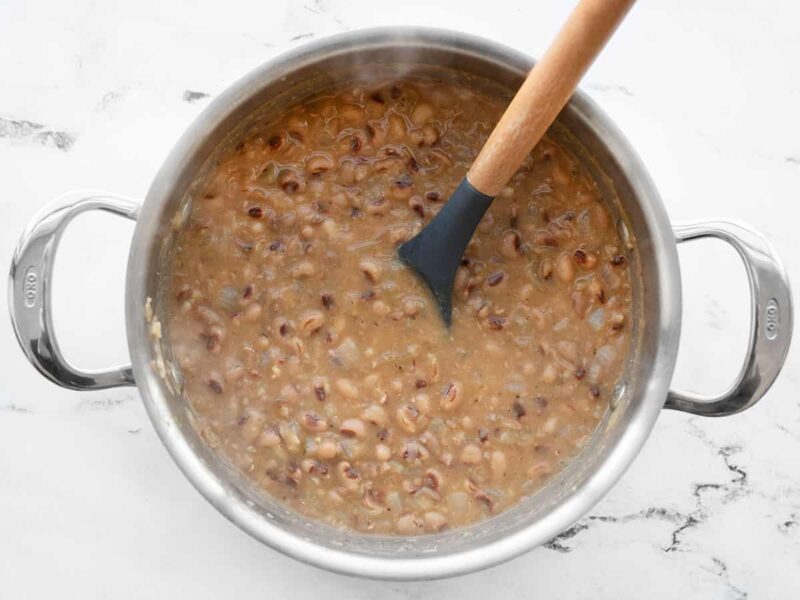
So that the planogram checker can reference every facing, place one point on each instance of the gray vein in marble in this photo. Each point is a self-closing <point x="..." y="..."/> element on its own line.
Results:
<point x="192" y="96"/>
<point x="610" y="87"/>
<point x="652" y="513"/>
<point x="790" y="524"/>
<point x="788" y="431"/>
<point x="17" y="129"/>
<point x="736" y="487"/>
<point x="301" y="36"/>
<point x="724" y="575"/>
<point x="716" y="314"/>
<point x="317" y="7"/>
<point x="16" y="408"/>
<point x="99" y="404"/>
<point x="793" y="159"/>
<point x="557" y="542"/>
<point x="107" y="100"/>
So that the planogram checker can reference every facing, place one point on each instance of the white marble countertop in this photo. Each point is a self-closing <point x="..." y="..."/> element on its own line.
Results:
<point x="93" y="94"/>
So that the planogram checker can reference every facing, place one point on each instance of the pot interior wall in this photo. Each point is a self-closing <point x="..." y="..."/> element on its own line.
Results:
<point x="265" y="96"/>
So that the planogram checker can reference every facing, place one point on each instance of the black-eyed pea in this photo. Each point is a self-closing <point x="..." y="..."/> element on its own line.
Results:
<point x="291" y="182"/>
<point x="435" y="371"/>
<point x="353" y="428"/>
<point x="252" y="425"/>
<point x="269" y="438"/>
<point x="549" y="374"/>
<point x="568" y="350"/>
<point x="351" y="113"/>
<point x="423" y="403"/>
<point x="430" y="135"/>
<point x="396" y="130"/>
<point x="330" y="228"/>
<point x="334" y="497"/>
<point x="416" y="204"/>
<point x="545" y="270"/>
<point x="311" y="421"/>
<point x="401" y="188"/>
<point x="399" y="234"/>
<point x="347" y="388"/>
<point x="234" y="370"/>
<point x="470" y="454"/>
<point x="339" y="199"/>
<point x="580" y="303"/>
<point x="498" y="465"/>
<point x="360" y="173"/>
<point x="529" y="368"/>
<point x="347" y="172"/>
<point x="289" y="436"/>
<point x="380" y="308"/>
<point x="321" y="388"/>
<point x="434" y="521"/>
<point x="511" y="244"/>
<point x="550" y="425"/>
<point x="452" y="395"/>
<point x="289" y="393"/>
<point x="407" y="417"/>
<point x="410" y="524"/>
<point x="597" y="292"/>
<point x="310" y="322"/>
<point x="413" y="306"/>
<point x="484" y="307"/>
<point x="599" y="217"/>
<point x="587" y="260"/>
<point x="348" y="475"/>
<point x="564" y="269"/>
<point x="462" y="276"/>
<point x="375" y="414"/>
<point x="296" y="345"/>
<point x="422" y="113"/>
<point x="319" y="163"/>
<point x="377" y="207"/>
<point x="207" y="315"/>
<point x="433" y="479"/>
<point x="303" y="270"/>
<point x="539" y="318"/>
<point x="376" y="132"/>
<point x="387" y="164"/>
<point x="617" y="322"/>
<point x="327" y="449"/>
<point x="560" y="175"/>
<point x="383" y="452"/>
<point x="370" y="269"/>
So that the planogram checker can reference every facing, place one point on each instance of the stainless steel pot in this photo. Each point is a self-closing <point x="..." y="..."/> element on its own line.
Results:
<point x="640" y="398"/>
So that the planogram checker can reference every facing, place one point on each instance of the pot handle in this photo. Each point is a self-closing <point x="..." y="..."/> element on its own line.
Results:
<point x="770" y="319"/>
<point x="30" y="294"/>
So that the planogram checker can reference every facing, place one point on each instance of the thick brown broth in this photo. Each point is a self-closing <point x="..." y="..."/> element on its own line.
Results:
<point x="319" y="365"/>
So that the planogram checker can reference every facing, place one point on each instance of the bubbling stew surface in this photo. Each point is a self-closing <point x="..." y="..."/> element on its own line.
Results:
<point x="318" y="364"/>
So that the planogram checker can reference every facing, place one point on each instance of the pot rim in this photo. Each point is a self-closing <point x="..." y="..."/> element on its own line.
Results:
<point x="214" y="488"/>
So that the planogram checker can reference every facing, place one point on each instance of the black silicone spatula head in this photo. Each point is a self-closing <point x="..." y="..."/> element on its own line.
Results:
<point x="437" y="250"/>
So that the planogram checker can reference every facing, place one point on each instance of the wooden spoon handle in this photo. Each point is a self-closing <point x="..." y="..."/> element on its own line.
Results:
<point x="545" y="92"/>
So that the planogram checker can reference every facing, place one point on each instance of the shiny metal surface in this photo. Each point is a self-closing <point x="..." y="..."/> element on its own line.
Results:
<point x="771" y="315"/>
<point x="29" y="293"/>
<point x="366" y="55"/>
